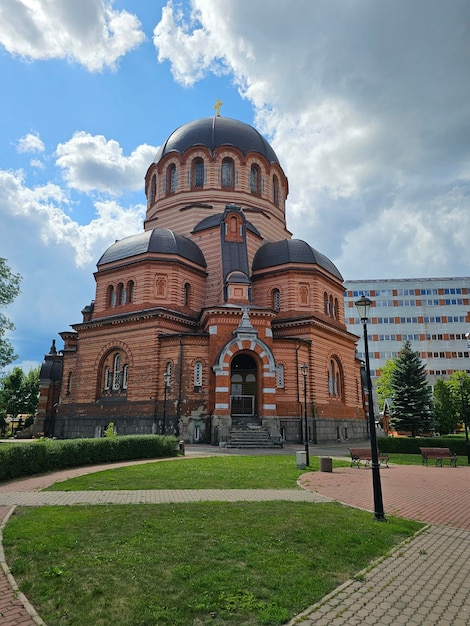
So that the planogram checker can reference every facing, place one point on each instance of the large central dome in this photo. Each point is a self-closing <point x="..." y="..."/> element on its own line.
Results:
<point x="216" y="131"/>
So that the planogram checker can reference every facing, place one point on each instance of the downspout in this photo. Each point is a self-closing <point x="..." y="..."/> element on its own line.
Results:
<point x="180" y="385"/>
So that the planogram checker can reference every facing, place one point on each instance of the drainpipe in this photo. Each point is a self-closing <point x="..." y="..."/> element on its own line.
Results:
<point x="180" y="384"/>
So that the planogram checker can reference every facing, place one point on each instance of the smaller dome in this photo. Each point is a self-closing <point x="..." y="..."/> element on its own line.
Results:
<point x="158" y="240"/>
<point x="292" y="251"/>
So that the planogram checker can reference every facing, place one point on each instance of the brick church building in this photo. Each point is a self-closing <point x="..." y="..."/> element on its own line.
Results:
<point x="213" y="317"/>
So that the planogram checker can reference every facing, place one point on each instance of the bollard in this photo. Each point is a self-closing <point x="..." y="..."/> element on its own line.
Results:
<point x="181" y="447"/>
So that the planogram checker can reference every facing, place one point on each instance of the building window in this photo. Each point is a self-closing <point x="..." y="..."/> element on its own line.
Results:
<point x="120" y="294"/>
<point x="255" y="180"/>
<point x="117" y="372"/>
<point x="107" y="378"/>
<point x="276" y="299"/>
<point x="303" y="294"/>
<point x="130" y="291"/>
<point x="280" y="376"/>
<point x="335" y="379"/>
<point x="198" y="172"/>
<point x="125" y="376"/>
<point x="276" y="192"/>
<point x="227" y="172"/>
<point x="326" y="303"/>
<point x="153" y="190"/>
<point x="111" y="297"/>
<point x="198" y="374"/>
<point x="69" y="384"/>
<point x="187" y="294"/>
<point x="171" y="178"/>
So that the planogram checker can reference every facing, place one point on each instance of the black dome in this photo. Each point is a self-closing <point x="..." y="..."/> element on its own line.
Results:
<point x="160" y="240"/>
<point x="216" y="131"/>
<point x="291" y="251"/>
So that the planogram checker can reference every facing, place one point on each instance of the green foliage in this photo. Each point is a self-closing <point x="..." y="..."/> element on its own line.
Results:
<point x="109" y="430"/>
<point x="45" y="455"/>
<point x="411" y="394"/>
<point x="445" y="411"/>
<point x="19" y="392"/>
<point x="9" y="289"/>
<point x="384" y="383"/>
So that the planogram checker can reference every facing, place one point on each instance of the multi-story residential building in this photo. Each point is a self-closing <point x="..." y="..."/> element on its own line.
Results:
<point x="432" y="313"/>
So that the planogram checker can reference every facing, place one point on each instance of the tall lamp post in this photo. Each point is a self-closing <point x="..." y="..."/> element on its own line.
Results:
<point x="304" y="369"/>
<point x="464" y="418"/>
<point x="166" y="382"/>
<point x="363" y="306"/>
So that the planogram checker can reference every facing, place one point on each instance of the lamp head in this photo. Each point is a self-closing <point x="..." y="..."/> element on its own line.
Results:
<point x="363" y="306"/>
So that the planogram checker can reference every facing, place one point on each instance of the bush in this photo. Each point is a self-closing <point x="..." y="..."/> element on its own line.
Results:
<point x="45" y="455"/>
<point x="411" y="445"/>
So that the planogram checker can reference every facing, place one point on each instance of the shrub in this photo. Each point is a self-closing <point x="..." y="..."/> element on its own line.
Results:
<point x="411" y="445"/>
<point x="45" y="455"/>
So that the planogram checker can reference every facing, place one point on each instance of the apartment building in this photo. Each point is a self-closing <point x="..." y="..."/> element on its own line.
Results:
<point x="432" y="313"/>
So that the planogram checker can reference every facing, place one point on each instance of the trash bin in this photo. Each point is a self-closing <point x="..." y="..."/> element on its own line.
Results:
<point x="326" y="464"/>
<point x="301" y="458"/>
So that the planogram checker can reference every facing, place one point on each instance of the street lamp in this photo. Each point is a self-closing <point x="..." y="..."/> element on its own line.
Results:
<point x="304" y="369"/>
<point x="363" y="306"/>
<point x="464" y="418"/>
<point x="166" y="382"/>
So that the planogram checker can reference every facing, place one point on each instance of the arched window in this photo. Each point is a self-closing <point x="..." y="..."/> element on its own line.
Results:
<point x="107" y="378"/>
<point x="255" y="180"/>
<point x="276" y="190"/>
<point x="153" y="189"/>
<point x="117" y="372"/>
<point x="187" y="295"/>
<point x="120" y="294"/>
<point x="326" y="301"/>
<point x="130" y="291"/>
<point x="280" y="376"/>
<point x="111" y="296"/>
<point x="125" y="376"/>
<point x="198" y="374"/>
<point x="168" y="374"/>
<point x="171" y="179"/>
<point x="303" y="294"/>
<point x="276" y="299"/>
<point x="336" y="311"/>
<point x="332" y="311"/>
<point x="335" y="379"/>
<point x="227" y="172"/>
<point x="198" y="172"/>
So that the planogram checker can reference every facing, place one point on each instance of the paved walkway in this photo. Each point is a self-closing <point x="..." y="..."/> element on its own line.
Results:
<point x="423" y="582"/>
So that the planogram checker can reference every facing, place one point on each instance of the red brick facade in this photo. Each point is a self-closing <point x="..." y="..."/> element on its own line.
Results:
<point x="206" y="317"/>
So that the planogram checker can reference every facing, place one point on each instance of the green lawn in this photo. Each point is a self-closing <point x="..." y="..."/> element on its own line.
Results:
<point x="224" y="564"/>
<point x="212" y="563"/>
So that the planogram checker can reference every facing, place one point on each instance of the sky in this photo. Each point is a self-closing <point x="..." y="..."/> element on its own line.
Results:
<point x="366" y="103"/>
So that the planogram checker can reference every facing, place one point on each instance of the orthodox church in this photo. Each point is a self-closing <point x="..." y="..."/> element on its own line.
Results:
<point x="213" y="322"/>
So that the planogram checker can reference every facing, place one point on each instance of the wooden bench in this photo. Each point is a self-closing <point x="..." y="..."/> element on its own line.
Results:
<point x="365" y="454"/>
<point x="438" y="454"/>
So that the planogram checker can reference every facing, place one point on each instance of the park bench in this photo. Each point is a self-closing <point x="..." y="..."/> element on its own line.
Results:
<point x="438" y="454"/>
<point x="365" y="454"/>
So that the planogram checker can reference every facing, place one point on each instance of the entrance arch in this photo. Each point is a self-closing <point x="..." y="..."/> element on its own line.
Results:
<point x="243" y="386"/>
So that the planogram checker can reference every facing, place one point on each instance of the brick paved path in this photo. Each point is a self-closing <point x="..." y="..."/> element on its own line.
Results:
<point x="422" y="583"/>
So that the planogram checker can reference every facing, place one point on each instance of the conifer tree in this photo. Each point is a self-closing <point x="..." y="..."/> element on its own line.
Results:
<point x="411" y="394"/>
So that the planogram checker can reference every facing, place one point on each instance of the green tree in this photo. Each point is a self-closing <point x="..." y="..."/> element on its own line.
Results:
<point x="19" y="392"/>
<point x="9" y="289"/>
<point x="411" y="395"/>
<point x="459" y="385"/>
<point x="384" y="383"/>
<point x="445" y="408"/>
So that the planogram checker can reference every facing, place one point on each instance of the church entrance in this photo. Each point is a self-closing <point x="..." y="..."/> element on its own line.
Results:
<point x="243" y="387"/>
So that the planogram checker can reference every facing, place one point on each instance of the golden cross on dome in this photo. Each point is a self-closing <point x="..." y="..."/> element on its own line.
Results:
<point x="218" y="104"/>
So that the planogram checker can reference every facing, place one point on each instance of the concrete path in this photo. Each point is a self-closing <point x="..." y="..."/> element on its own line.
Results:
<point x="423" y="582"/>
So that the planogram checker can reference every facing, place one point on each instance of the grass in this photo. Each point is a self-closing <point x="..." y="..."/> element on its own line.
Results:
<point x="227" y="472"/>
<point x="224" y="564"/>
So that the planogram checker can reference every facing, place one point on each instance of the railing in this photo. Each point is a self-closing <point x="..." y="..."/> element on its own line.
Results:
<point x="242" y="405"/>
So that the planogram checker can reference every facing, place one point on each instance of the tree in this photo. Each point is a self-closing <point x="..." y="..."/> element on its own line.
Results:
<point x="411" y="394"/>
<point x="384" y="383"/>
<point x="446" y="412"/>
<point x="19" y="392"/>
<point x="9" y="289"/>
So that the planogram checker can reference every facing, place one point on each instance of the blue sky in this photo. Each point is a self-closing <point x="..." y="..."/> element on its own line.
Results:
<point x="365" y="103"/>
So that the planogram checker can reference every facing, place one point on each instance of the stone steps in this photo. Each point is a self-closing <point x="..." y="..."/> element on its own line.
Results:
<point x="251" y="438"/>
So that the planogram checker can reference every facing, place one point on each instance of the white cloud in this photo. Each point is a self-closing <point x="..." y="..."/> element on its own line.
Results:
<point x="91" y="162"/>
<point x="88" y="32"/>
<point x="46" y="210"/>
<point x="365" y="103"/>
<point x="30" y="143"/>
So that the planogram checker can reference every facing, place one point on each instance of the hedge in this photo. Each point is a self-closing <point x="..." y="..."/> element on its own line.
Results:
<point x="411" y="445"/>
<point x="45" y="455"/>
